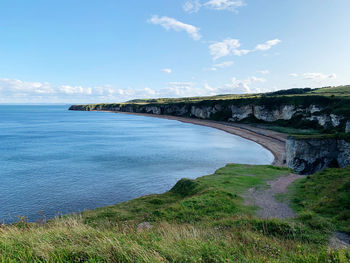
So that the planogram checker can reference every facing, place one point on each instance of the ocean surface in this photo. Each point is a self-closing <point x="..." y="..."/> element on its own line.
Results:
<point x="54" y="161"/>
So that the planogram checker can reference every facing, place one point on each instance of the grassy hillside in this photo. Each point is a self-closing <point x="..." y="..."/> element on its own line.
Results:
<point x="202" y="220"/>
<point x="327" y="195"/>
<point x="339" y="91"/>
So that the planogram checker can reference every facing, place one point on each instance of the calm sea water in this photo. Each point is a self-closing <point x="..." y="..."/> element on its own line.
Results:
<point x="57" y="161"/>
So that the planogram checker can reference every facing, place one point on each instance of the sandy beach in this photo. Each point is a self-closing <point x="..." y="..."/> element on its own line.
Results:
<point x="271" y="140"/>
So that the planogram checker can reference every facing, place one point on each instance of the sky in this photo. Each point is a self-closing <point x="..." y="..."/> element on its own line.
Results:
<point x="88" y="51"/>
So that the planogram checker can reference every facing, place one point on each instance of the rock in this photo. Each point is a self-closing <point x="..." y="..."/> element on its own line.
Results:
<point x="153" y="110"/>
<point x="347" y="127"/>
<point x="227" y="111"/>
<point x="307" y="156"/>
<point x="143" y="226"/>
<point x="335" y="120"/>
<point x="240" y="113"/>
<point x="285" y="112"/>
<point x="314" y="108"/>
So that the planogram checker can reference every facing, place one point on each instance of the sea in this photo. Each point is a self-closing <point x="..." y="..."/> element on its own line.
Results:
<point x="54" y="161"/>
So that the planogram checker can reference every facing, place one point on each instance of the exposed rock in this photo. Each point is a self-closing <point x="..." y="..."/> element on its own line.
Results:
<point x="347" y="127"/>
<point x="153" y="110"/>
<point x="240" y="113"/>
<point x="335" y="120"/>
<point x="143" y="226"/>
<point x="325" y="121"/>
<point x="307" y="156"/>
<point x="229" y="111"/>
<point x="285" y="112"/>
<point x="314" y="108"/>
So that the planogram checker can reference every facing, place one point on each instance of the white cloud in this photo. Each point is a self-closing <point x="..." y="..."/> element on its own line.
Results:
<point x="267" y="45"/>
<point x="222" y="49"/>
<point x="192" y="6"/>
<point x="17" y="91"/>
<point x="294" y="75"/>
<point x="13" y="90"/>
<point x="244" y="86"/>
<point x="225" y="64"/>
<point x="264" y="72"/>
<point x="230" y="5"/>
<point x="231" y="46"/>
<point x="171" y="23"/>
<point x="167" y="70"/>
<point x="319" y="76"/>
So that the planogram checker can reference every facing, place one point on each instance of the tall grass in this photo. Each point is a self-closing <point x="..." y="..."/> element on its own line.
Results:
<point x="71" y="240"/>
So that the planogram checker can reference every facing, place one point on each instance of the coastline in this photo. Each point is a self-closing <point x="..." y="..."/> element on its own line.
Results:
<point x="271" y="140"/>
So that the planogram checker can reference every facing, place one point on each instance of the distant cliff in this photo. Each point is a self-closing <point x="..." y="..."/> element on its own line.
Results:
<point x="309" y="155"/>
<point x="318" y="112"/>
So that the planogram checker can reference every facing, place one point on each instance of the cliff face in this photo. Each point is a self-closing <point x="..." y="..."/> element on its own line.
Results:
<point x="307" y="156"/>
<point x="223" y="111"/>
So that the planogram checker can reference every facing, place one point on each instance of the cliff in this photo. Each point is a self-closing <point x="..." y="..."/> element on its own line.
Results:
<point x="322" y="113"/>
<point x="309" y="155"/>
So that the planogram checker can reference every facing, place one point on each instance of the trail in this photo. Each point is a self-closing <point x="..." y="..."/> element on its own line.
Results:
<point x="265" y="199"/>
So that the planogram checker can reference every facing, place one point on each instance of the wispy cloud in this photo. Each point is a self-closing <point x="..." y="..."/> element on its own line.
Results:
<point x="294" y="75"/>
<point x="171" y="23"/>
<point x="264" y="72"/>
<point x="166" y="70"/>
<point x="267" y="45"/>
<point x="231" y="46"/>
<point x="230" y="5"/>
<point x="319" y="76"/>
<point x="193" y="6"/>
<point x="224" y="64"/>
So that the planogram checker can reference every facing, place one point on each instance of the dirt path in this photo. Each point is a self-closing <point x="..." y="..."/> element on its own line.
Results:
<point x="339" y="240"/>
<point x="271" y="140"/>
<point x="265" y="199"/>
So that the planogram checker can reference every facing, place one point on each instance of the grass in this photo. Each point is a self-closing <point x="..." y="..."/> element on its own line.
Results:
<point x="338" y="136"/>
<point x="204" y="199"/>
<point x="326" y="196"/>
<point x="202" y="220"/>
<point x="290" y="130"/>
<point x="71" y="240"/>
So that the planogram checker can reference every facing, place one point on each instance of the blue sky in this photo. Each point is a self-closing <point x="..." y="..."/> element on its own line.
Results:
<point x="109" y="51"/>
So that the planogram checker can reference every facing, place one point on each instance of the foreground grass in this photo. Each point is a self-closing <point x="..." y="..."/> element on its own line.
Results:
<point x="325" y="195"/>
<point x="71" y="240"/>
<point x="202" y="220"/>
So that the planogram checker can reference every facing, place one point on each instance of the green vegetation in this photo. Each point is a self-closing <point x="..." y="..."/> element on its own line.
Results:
<point x="204" y="199"/>
<point x="340" y="91"/>
<point x="338" y="136"/>
<point x="325" y="195"/>
<point x="290" y="130"/>
<point x="333" y="91"/>
<point x="202" y="220"/>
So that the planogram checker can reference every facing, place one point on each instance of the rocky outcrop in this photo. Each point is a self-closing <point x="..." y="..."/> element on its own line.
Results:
<point x="241" y="113"/>
<point x="347" y="127"/>
<point x="307" y="156"/>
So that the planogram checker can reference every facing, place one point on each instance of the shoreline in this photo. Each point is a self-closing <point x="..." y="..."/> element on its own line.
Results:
<point x="270" y="140"/>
